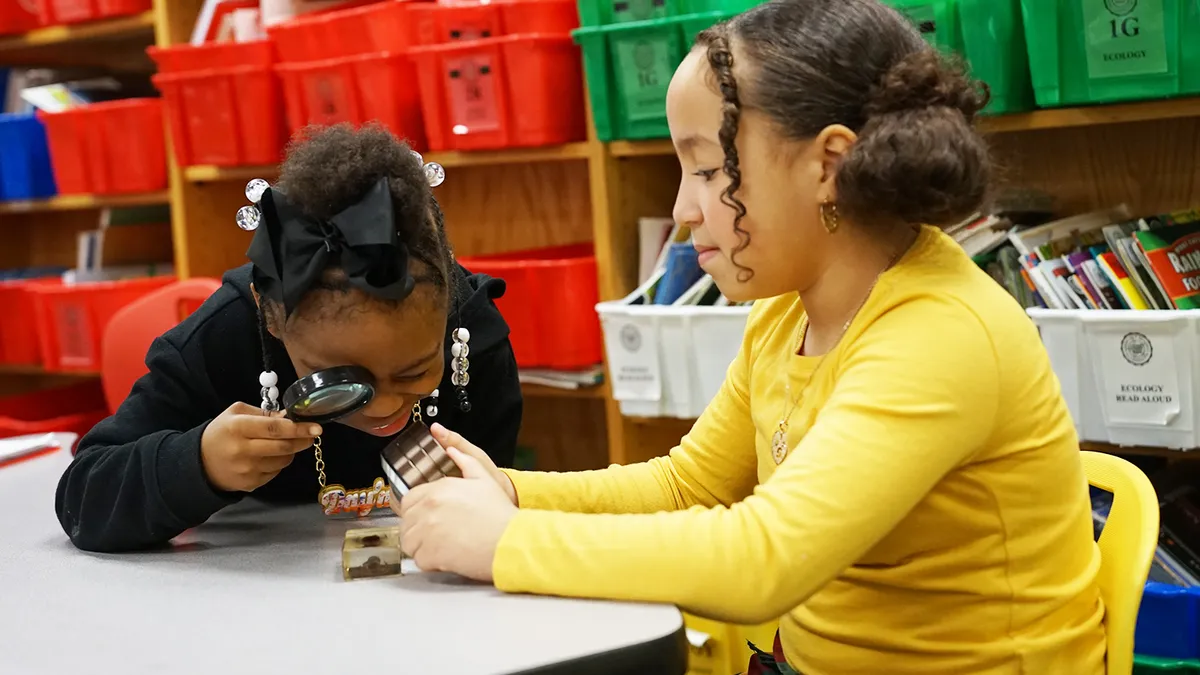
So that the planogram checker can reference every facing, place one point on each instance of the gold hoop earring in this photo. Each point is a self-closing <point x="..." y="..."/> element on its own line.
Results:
<point x="829" y="216"/>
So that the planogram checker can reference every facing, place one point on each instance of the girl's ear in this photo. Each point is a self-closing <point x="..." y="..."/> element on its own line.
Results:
<point x="832" y="144"/>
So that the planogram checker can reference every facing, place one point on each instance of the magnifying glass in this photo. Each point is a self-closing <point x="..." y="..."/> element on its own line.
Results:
<point x="329" y="395"/>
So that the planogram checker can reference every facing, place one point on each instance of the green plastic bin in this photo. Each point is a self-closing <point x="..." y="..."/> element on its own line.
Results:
<point x="693" y="25"/>
<point x="593" y="13"/>
<point x="1102" y="51"/>
<point x="1149" y="665"/>
<point x="629" y="67"/>
<point x="987" y="33"/>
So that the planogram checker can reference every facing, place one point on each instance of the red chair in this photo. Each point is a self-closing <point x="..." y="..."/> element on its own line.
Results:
<point x="131" y="331"/>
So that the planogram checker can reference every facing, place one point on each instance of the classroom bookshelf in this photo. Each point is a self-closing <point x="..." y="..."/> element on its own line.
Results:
<point x="1144" y="154"/>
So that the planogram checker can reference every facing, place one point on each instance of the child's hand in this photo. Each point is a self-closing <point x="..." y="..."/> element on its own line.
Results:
<point x="455" y="524"/>
<point x="243" y="449"/>
<point x="449" y="439"/>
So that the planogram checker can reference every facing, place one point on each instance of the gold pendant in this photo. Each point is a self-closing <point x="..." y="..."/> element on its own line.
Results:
<point x="779" y="444"/>
<point x="335" y="499"/>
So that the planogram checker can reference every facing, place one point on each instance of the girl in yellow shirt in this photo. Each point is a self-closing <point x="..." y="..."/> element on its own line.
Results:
<point x="889" y="465"/>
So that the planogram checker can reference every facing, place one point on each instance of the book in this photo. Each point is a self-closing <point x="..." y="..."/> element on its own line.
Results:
<point x="681" y="271"/>
<point x="653" y="233"/>
<point x="1120" y="280"/>
<point x="214" y="23"/>
<point x="1119" y="238"/>
<point x="1173" y="254"/>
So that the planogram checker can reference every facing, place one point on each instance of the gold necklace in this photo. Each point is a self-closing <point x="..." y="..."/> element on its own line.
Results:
<point x="779" y="444"/>
<point x="335" y="499"/>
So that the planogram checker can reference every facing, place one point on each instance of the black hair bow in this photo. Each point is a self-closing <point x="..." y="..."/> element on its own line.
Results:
<point x="291" y="250"/>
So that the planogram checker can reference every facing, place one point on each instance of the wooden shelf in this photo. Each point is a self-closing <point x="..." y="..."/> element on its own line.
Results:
<point x="553" y="153"/>
<point x="1057" y="118"/>
<point x="651" y="148"/>
<point x="120" y="28"/>
<point x="38" y="371"/>
<point x="598" y="392"/>
<point x="1119" y="113"/>
<point x="92" y="43"/>
<point x="84" y="202"/>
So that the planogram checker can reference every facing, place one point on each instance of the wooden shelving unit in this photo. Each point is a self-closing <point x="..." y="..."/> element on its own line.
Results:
<point x="1143" y="154"/>
<point x="115" y="43"/>
<point x="84" y="202"/>
<point x="75" y="36"/>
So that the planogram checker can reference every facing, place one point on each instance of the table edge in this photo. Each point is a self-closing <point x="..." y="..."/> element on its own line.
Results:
<point x="666" y="654"/>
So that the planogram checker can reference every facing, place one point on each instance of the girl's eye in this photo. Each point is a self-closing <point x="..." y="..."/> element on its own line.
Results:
<point x="706" y="174"/>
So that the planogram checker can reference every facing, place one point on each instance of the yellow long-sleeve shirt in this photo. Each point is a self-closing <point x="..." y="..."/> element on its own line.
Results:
<point x="931" y="515"/>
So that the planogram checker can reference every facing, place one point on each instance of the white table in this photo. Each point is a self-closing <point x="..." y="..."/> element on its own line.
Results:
<point x="259" y="590"/>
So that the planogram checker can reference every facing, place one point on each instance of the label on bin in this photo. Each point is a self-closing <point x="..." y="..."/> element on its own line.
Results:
<point x="638" y="10"/>
<point x="1137" y="374"/>
<point x="471" y="82"/>
<point x="645" y="67"/>
<point x="633" y="358"/>
<point x="1125" y="37"/>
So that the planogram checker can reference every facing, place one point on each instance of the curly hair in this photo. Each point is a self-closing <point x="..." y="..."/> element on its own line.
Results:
<point x="809" y="64"/>
<point x="720" y="60"/>
<point x="328" y="169"/>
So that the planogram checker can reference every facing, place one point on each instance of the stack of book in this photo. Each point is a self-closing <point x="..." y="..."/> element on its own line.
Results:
<point x="1102" y="260"/>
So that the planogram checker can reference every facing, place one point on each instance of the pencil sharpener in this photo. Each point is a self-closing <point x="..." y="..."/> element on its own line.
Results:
<point x="372" y="552"/>
<point x="414" y="458"/>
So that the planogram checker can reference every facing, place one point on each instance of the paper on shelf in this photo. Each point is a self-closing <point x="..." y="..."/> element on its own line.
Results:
<point x="22" y="446"/>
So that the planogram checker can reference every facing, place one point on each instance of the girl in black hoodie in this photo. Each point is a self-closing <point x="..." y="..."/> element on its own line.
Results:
<point x="350" y="266"/>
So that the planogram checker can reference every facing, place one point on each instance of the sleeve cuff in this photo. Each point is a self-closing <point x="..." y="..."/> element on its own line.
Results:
<point x="508" y="564"/>
<point x="183" y="484"/>
<point x="526" y="484"/>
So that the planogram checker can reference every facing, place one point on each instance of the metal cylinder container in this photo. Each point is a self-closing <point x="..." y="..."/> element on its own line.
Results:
<point x="414" y="458"/>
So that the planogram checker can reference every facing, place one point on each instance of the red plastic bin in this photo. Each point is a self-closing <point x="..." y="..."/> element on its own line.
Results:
<point x="356" y="89"/>
<point x="213" y="56"/>
<point x="77" y="11"/>
<point x="383" y="26"/>
<point x="19" y="345"/>
<point x="108" y="148"/>
<point x="549" y="304"/>
<point x="453" y="20"/>
<point x="18" y="16"/>
<point x="513" y="91"/>
<point x="71" y="318"/>
<point x="222" y="102"/>
<point x="74" y="408"/>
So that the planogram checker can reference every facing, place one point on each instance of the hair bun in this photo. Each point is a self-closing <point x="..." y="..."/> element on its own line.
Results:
<point x="926" y="79"/>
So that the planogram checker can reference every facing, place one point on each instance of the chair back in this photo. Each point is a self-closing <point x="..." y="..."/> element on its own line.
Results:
<point x="134" y="327"/>
<point x="1127" y="544"/>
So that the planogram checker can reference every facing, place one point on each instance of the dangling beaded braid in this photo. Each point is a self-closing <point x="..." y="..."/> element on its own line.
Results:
<point x="460" y="378"/>
<point x="267" y="378"/>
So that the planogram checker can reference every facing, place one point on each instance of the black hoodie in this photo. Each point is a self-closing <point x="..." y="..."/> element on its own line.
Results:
<point x="137" y="479"/>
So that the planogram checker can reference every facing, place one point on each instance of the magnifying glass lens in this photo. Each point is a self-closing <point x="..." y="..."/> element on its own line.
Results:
<point x="328" y="395"/>
<point x="332" y="400"/>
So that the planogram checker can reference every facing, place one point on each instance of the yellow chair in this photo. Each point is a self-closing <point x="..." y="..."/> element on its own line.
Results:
<point x="1127" y="546"/>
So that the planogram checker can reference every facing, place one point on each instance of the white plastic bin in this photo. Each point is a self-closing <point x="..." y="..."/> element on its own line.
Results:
<point x="1129" y="377"/>
<point x="669" y="361"/>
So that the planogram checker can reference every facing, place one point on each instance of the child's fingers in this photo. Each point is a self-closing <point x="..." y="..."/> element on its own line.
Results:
<point x="468" y="465"/>
<point x="275" y="463"/>
<point x="261" y="447"/>
<point x="449" y="438"/>
<point x="259" y="426"/>
<point x="413" y="499"/>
